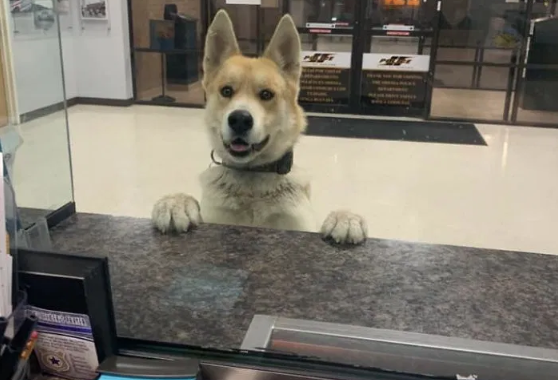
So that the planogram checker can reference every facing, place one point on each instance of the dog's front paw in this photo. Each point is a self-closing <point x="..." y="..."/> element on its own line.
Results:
<point x="177" y="212"/>
<point x="344" y="227"/>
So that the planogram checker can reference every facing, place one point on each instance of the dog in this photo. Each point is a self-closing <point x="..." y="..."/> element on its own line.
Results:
<point x="254" y="121"/>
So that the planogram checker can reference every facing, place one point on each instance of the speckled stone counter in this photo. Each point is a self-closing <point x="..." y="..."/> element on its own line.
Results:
<point x="203" y="288"/>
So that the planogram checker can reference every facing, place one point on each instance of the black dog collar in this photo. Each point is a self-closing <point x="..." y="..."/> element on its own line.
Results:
<point x="282" y="166"/>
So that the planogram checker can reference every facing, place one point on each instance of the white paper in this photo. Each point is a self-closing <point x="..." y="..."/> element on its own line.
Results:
<point x="5" y="285"/>
<point x="245" y="2"/>
<point x="395" y="62"/>
<point x="65" y="347"/>
<point x="324" y="59"/>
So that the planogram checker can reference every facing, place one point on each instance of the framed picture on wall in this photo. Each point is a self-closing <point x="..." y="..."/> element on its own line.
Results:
<point x="94" y="10"/>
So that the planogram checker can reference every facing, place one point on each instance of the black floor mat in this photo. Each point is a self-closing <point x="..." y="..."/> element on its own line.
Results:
<point x="400" y="130"/>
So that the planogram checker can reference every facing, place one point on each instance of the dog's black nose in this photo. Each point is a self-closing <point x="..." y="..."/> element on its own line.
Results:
<point x="241" y="121"/>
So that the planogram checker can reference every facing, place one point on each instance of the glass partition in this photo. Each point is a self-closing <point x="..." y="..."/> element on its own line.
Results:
<point x="358" y="201"/>
<point x="35" y="138"/>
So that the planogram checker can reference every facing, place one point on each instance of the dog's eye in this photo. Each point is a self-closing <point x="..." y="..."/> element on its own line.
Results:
<point x="227" y="92"/>
<point x="266" y="95"/>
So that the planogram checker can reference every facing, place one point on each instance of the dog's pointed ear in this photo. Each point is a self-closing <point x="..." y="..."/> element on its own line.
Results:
<point x="284" y="48"/>
<point x="220" y="43"/>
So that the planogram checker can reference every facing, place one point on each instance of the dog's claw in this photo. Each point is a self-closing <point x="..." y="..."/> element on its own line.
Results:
<point x="344" y="227"/>
<point x="176" y="213"/>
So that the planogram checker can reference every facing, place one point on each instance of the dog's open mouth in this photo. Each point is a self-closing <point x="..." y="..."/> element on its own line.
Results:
<point x="241" y="148"/>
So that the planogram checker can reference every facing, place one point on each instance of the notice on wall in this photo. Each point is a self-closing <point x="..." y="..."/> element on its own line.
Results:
<point x="394" y="80"/>
<point x="325" y="78"/>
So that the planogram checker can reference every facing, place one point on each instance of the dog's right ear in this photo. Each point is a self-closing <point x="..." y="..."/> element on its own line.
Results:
<point x="220" y="44"/>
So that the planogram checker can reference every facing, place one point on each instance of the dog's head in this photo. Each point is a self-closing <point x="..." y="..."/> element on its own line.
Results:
<point x="252" y="111"/>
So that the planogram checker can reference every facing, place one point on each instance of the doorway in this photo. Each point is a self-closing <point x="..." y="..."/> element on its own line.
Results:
<point x="359" y="57"/>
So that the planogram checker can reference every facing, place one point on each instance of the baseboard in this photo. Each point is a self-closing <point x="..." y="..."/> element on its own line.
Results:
<point x="41" y="112"/>
<point x="31" y="115"/>
<point x="106" y="102"/>
<point x="72" y="102"/>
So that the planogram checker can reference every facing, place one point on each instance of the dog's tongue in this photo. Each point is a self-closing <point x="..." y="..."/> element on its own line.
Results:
<point x="239" y="147"/>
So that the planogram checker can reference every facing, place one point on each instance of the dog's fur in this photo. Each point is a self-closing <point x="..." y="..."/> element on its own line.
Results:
<point x="232" y="194"/>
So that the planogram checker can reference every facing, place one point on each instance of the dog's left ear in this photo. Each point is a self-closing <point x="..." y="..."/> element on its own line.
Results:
<point x="284" y="48"/>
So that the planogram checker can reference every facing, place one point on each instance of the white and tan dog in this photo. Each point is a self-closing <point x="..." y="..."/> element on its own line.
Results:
<point x="254" y="120"/>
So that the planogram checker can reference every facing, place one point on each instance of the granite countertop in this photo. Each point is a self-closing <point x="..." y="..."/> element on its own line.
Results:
<point x="203" y="288"/>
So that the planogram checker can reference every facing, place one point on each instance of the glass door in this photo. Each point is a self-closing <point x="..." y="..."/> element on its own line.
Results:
<point x="366" y="57"/>
<point x="398" y="41"/>
<point x="327" y="30"/>
<point x="371" y="57"/>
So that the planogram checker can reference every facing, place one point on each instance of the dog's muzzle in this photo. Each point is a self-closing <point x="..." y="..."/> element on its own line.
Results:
<point x="241" y="148"/>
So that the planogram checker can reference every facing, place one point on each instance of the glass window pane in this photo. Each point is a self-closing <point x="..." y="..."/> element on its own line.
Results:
<point x="394" y="45"/>
<point x="33" y="119"/>
<point x="450" y="192"/>
<point x="169" y="78"/>
<point x="468" y="104"/>
<point x="334" y="43"/>
<point x="453" y="76"/>
<point x="455" y="54"/>
<point x="490" y="77"/>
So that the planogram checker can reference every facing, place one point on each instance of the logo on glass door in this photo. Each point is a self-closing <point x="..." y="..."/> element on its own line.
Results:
<point x="396" y="60"/>
<point x="319" y="58"/>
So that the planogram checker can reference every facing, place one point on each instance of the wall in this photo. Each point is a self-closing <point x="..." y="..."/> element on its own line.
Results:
<point x="38" y="74"/>
<point x="103" y="65"/>
<point x="96" y="61"/>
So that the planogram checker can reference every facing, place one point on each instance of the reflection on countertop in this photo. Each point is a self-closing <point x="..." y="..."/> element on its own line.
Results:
<point x="203" y="288"/>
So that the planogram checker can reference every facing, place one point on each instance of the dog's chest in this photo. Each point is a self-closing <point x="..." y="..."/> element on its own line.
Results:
<point x="250" y="198"/>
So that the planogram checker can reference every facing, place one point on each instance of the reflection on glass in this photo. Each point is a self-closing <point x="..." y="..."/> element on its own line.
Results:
<point x="36" y="151"/>
<point x="167" y="41"/>
<point x="165" y="77"/>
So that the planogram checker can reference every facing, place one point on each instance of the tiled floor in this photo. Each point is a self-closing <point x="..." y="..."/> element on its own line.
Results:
<point x="501" y="196"/>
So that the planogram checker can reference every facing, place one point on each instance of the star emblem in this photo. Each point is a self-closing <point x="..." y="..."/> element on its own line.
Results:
<point x="54" y="361"/>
